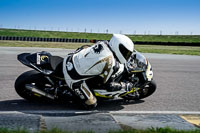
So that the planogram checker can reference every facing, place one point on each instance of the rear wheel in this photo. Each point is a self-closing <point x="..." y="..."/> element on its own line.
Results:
<point x="31" y="78"/>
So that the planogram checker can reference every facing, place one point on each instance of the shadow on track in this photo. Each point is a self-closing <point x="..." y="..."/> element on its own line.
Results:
<point x="23" y="105"/>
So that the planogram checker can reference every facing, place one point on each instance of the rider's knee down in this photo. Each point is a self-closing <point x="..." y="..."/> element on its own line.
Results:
<point x="91" y="99"/>
<point x="85" y="94"/>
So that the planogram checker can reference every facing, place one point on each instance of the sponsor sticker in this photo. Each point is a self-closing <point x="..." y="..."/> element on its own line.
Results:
<point x="38" y="59"/>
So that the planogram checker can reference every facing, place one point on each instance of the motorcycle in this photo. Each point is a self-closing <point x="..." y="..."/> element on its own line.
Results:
<point x="46" y="81"/>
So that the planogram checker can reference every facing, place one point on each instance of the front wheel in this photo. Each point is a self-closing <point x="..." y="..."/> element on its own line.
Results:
<point x="148" y="90"/>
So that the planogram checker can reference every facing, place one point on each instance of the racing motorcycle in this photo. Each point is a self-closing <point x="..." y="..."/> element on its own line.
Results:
<point x="46" y="81"/>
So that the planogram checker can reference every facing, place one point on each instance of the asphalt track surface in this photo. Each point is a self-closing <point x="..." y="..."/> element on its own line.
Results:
<point x="177" y="78"/>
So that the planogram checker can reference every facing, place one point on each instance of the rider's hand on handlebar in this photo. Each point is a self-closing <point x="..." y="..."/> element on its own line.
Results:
<point x="130" y="66"/>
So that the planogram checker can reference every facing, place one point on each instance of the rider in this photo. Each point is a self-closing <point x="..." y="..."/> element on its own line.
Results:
<point x="104" y="59"/>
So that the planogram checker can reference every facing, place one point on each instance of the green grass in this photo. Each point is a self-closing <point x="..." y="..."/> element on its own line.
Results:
<point x="53" y="34"/>
<point x="183" y="50"/>
<point x="166" y="38"/>
<point x="40" y="44"/>
<point x="151" y="130"/>
<point x="98" y="36"/>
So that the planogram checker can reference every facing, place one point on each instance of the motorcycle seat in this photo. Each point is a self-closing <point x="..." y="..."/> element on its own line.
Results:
<point x="57" y="65"/>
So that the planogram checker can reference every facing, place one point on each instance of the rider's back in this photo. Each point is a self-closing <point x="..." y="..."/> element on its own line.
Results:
<point x="95" y="60"/>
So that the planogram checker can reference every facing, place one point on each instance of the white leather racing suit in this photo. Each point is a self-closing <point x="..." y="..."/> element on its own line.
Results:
<point x="87" y="63"/>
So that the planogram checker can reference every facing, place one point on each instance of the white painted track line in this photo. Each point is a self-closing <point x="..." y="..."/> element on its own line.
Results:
<point x="96" y="111"/>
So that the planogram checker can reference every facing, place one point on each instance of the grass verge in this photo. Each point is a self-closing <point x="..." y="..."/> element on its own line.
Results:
<point x="40" y="44"/>
<point x="98" y="36"/>
<point x="182" y="50"/>
<point x="151" y="130"/>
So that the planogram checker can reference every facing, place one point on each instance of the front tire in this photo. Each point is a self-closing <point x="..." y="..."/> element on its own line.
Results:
<point x="143" y="92"/>
<point x="148" y="90"/>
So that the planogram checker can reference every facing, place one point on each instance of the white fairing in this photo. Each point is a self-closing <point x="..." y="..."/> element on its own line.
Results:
<point x="149" y="72"/>
<point x="92" y="61"/>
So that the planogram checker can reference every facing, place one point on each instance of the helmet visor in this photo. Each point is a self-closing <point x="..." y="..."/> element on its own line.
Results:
<point x="125" y="52"/>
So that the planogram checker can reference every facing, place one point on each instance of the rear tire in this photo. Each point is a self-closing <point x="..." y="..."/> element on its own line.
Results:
<point x="30" y="77"/>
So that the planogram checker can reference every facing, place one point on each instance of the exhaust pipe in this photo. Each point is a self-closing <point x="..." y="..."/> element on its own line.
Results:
<point x="37" y="91"/>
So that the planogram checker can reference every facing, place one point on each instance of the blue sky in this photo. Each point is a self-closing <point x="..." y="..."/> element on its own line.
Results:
<point x="125" y="16"/>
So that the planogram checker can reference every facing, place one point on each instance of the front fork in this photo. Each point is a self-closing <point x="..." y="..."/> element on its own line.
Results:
<point x="148" y="77"/>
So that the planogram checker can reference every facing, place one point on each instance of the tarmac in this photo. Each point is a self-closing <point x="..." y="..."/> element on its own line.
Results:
<point x="173" y="78"/>
<point x="98" y="122"/>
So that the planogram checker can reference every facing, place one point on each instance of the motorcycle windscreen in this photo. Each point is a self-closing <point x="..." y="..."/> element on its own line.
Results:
<point x="141" y="61"/>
